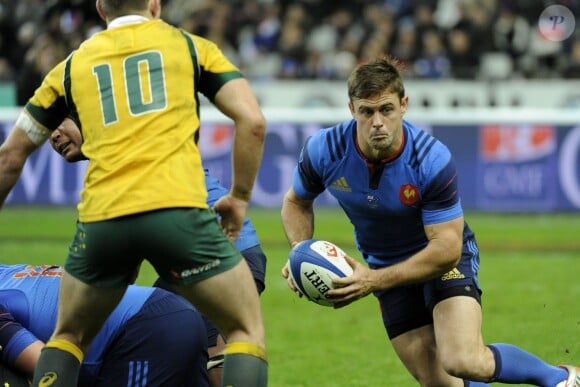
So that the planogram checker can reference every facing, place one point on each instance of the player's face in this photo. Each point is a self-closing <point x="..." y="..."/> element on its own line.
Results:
<point x="379" y="122"/>
<point x="66" y="140"/>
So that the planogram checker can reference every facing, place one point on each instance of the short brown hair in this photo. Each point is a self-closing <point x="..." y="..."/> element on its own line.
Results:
<point x="374" y="77"/>
<point x="114" y="8"/>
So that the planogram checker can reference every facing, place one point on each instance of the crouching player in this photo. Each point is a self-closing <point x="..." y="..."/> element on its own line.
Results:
<point x="153" y="338"/>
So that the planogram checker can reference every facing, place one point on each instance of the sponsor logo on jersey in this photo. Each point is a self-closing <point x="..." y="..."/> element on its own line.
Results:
<point x="409" y="194"/>
<point x="39" y="271"/>
<point x="195" y="270"/>
<point x="48" y="379"/>
<point x="341" y="185"/>
<point x="453" y="274"/>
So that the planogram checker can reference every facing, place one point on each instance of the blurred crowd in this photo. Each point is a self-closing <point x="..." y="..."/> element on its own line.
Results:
<point x="315" y="39"/>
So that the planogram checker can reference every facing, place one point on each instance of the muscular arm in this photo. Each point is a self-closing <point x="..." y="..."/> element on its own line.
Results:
<point x="237" y="101"/>
<point x="297" y="218"/>
<point x="298" y="222"/>
<point x="13" y="155"/>
<point x="441" y="255"/>
<point x="26" y="361"/>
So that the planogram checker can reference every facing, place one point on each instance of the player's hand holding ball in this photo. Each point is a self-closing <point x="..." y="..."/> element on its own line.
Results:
<point x="312" y="267"/>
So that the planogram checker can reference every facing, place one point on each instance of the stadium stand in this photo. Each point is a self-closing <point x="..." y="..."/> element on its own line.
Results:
<point x="464" y="48"/>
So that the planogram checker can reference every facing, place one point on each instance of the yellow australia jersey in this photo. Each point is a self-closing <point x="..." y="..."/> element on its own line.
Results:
<point x="133" y="89"/>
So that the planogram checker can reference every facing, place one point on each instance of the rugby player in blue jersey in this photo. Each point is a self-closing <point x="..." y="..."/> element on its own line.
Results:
<point x="398" y="186"/>
<point x="67" y="139"/>
<point x="152" y="338"/>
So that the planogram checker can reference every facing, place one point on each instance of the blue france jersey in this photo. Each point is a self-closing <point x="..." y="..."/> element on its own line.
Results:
<point x="248" y="237"/>
<point x="30" y="293"/>
<point x="388" y="202"/>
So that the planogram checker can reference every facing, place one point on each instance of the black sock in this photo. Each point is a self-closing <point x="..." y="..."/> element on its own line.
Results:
<point x="56" y="367"/>
<point x="244" y="370"/>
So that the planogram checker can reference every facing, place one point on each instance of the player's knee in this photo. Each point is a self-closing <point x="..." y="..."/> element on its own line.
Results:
<point x="433" y="381"/>
<point x="251" y="333"/>
<point x="457" y="364"/>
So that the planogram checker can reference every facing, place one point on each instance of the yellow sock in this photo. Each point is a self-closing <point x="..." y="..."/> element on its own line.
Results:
<point x="67" y="346"/>
<point x="245" y="348"/>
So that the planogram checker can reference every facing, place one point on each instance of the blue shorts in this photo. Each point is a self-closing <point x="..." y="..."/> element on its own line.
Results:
<point x="257" y="262"/>
<point x="164" y="344"/>
<point x="409" y="307"/>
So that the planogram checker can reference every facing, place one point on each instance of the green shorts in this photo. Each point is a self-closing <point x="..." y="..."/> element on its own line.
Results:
<point x="184" y="245"/>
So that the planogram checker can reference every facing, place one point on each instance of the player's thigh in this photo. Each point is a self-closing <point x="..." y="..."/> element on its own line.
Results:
<point x="190" y="251"/>
<point x="256" y="260"/>
<point x="416" y="350"/>
<point x="457" y="326"/>
<point x="409" y="326"/>
<point x="83" y="309"/>
<point x="455" y="299"/>
<point x="231" y="301"/>
<point x="164" y="344"/>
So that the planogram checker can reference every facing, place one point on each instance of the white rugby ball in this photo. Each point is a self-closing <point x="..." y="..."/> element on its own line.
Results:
<point x="313" y="264"/>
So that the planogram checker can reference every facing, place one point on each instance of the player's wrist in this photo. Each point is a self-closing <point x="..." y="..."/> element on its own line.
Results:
<point x="241" y="194"/>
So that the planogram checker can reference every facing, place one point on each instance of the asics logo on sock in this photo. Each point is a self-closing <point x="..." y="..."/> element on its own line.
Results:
<point x="48" y="379"/>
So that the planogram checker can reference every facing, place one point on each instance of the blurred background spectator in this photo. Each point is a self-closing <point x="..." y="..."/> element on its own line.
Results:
<point x="315" y="39"/>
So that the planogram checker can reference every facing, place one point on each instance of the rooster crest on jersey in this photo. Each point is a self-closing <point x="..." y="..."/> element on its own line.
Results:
<point x="313" y="265"/>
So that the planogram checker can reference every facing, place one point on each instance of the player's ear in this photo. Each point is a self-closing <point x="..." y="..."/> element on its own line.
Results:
<point x="404" y="104"/>
<point x="100" y="10"/>
<point x="155" y="8"/>
<point x="351" y="107"/>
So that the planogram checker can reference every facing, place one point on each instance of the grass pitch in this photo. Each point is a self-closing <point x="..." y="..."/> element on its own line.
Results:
<point x="530" y="270"/>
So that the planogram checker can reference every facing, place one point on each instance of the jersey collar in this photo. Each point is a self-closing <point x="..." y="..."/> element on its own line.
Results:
<point x="127" y="19"/>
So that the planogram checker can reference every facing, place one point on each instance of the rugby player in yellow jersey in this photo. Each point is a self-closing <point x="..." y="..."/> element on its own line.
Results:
<point x="133" y="89"/>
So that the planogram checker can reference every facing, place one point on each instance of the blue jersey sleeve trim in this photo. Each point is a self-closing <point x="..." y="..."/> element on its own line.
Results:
<point x="214" y="189"/>
<point x="440" y="216"/>
<point x="442" y="191"/>
<point x="8" y="326"/>
<point x="299" y="188"/>
<point x="307" y="183"/>
<point x="19" y="342"/>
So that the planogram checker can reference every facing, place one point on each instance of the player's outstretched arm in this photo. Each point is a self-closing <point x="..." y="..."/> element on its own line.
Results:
<point x="297" y="218"/>
<point x="298" y="222"/>
<point x="441" y="255"/>
<point x="237" y="101"/>
<point x="13" y="155"/>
